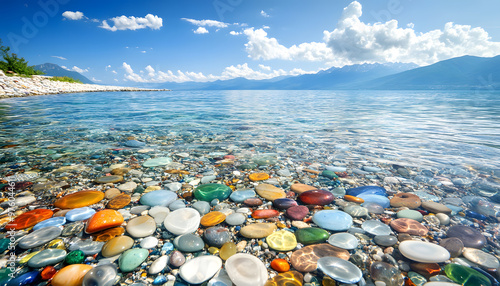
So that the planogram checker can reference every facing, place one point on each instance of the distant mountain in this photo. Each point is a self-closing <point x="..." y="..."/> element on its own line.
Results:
<point x="55" y="70"/>
<point x="465" y="72"/>
<point x="333" y="78"/>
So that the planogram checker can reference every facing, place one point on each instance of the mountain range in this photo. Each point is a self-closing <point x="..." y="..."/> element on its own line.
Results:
<point x="55" y="70"/>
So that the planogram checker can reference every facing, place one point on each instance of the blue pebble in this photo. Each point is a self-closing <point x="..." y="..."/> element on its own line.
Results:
<point x="334" y="220"/>
<point x="378" y="199"/>
<point x="54" y="221"/>
<point x="475" y="215"/>
<point x="372" y="190"/>
<point x="160" y="280"/>
<point x="158" y="198"/>
<point x="237" y="228"/>
<point x="134" y="144"/>
<point x="240" y="196"/>
<point x="79" y="214"/>
<point x="168" y="247"/>
<point x="29" y="278"/>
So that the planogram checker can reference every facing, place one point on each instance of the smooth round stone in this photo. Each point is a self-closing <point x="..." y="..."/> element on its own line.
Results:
<point x="217" y="236"/>
<point x="189" y="243"/>
<point x="411" y="214"/>
<point x="282" y="240"/>
<point x="29" y="219"/>
<point x="356" y="211"/>
<point x="80" y="214"/>
<point x="410" y="226"/>
<point x="270" y="192"/>
<point x="158" y="198"/>
<point x="425" y="252"/>
<point x="111" y="193"/>
<point x="209" y="192"/>
<point x="257" y="230"/>
<point x="117" y="245"/>
<point x="284" y="203"/>
<point x="435" y="207"/>
<point x="481" y="258"/>
<point x="454" y="246"/>
<point x="373" y="208"/>
<point x="469" y="236"/>
<point x="236" y="219"/>
<point x="306" y="258"/>
<point x="137" y="210"/>
<point x="376" y="227"/>
<point x="132" y="258"/>
<point x="202" y="207"/>
<point x="71" y="275"/>
<point x="343" y="240"/>
<point x="176" y="258"/>
<point x="141" y="226"/>
<point x="182" y="221"/>
<point x="28" y="278"/>
<point x="311" y="235"/>
<point x="386" y="273"/>
<point x="118" y="202"/>
<point x="408" y="200"/>
<point x="444" y="219"/>
<point x="227" y="250"/>
<point x="466" y="275"/>
<point x="253" y="202"/>
<point x="439" y="283"/>
<point x="333" y="220"/>
<point x="177" y="204"/>
<point x="299" y="188"/>
<point x="265" y="213"/>
<point x="79" y="199"/>
<point x="212" y="218"/>
<point x="149" y="242"/>
<point x="373" y="190"/>
<point x="159" y="213"/>
<point x="88" y="246"/>
<point x="200" y="269"/>
<point x="158" y="265"/>
<point x="102" y="220"/>
<point x="297" y="212"/>
<point x="23" y="201"/>
<point x="47" y="257"/>
<point x="108" y="234"/>
<point x="316" y="197"/>
<point x="158" y="161"/>
<point x="54" y="221"/>
<point x="134" y="144"/>
<point x="340" y="269"/>
<point x="254" y="177"/>
<point x="246" y="270"/>
<point x="73" y="228"/>
<point x="240" y="196"/>
<point x="101" y="275"/>
<point x="380" y="200"/>
<point x="39" y="237"/>
<point x="75" y="257"/>
<point x="109" y="179"/>
<point x="385" y="240"/>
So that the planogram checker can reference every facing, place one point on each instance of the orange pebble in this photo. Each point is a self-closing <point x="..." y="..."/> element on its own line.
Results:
<point x="353" y="199"/>
<point x="280" y="265"/>
<point x="102" y="220"/>
<point x="212" y="218"/>
<point x="48" y="272"/>
<point x="258" y="177"/>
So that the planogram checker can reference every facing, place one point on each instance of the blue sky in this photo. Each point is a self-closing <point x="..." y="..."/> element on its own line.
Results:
<point x="133" y="42"/>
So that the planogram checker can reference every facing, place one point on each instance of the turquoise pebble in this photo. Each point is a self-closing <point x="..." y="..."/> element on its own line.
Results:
<point x="54" y="221"/>
<point x="158" y="198"/>
<point x="240" y="196"/>
<point x="132" y="258"/>
<point x="80" y="214"/>
<point x="332" y="220"/>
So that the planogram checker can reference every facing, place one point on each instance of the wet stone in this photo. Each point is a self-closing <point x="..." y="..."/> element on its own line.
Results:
<point x="316" y="197"/>
<point x="280" y="265"/>
<point x="270" y="192"/>
<point x="29" y="219"/>
<point x="202" y="207"/>
<point x="88" y="246"/>
<point x="217" y="236"/>
<point x="385" y="240"/>
<point x="284" y="203"/>
<point x="300" y="188"/>
<point x="141" y="226"/>
<point x="117" y="245"/>
<point x="71" y="275"/>
<point x="376" y="227"/>
<point x="236" y="219"/>
<point x="241" y="195"/>
<point x="189" y="243"/>
<point x="373" y="190"/>
<point x="119" y="202"/>
<point x="212" y="218"/>
<point x="75" y="257"/>
<point x="182" y="221"/>
<point x="158" y="198"/>
<point x="254" y="272"/>
<point x="435" y="207"/>
<point x="132" y="258"/>
<point x="453" y="245"/>
<point x="306" y="258"/>
<point x="111" y="193"/>
<point x="481" y="258"/>
<point x="73" y="228"/>
<point x="469" y="236"/>
<point x="149" y="242"/>
<point x="410" y="214"/>
<point x="426" y="269"/>
<point x="227" y="250"/>
<point x="176" y="259"/>
<point x="200" y="269"/>
<point x="356" y="211"/>
<point x="373" y="208"/>
<point x="39" y="237"/>
<point x="79" y="199"/>
<point x="253" y="202"/>
<point x="387" y="273"/>
<point x="102" y="220"/>
<point x="408" y="200"/>
<point x="380" y="200"/>
<point x="159" y="213"/>
<point x="297" y="212"/>
<point x="158" y="161"/>
<point x="109" y="179"/>
<point x="332" y="220"/>
<point x="311" y="235"/>
<point x="329" y="174"/>
<point x="343" y="240"/>
<point x="282" y="240"/>
<point x="47" y="257"/>
<point x="108" y="234"/>
<point x="258" y="230"/>
<point x="263" y="214"/>
<point x="101" y="275"/>
<point x="54" y="221"/>
<point x="466" y="275"/>
<point x="425" y="252"/>
<point x="209" y="192"/>
<point x="158" y="265"/>
<point x="410" y="226"/>
<point x="254" y="177"/>
<point x="79" y="214"/>
<point x="340" y="269"/>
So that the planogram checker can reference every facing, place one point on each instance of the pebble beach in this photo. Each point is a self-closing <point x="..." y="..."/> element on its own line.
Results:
<point x="190" y="209"/>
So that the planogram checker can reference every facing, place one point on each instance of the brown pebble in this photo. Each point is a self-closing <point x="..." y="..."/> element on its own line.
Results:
<point x="111" y="193"/>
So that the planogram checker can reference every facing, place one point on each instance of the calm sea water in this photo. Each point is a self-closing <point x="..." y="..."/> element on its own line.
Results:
<point x="429" y="129"/>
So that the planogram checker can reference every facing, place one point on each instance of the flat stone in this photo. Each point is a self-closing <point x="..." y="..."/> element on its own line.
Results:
<point x="246" y="270"/>
<point x="39" y="237"/>
<point x="158" y="198"/>
<point x="158" y="161"/>
<point x="79" y="214"/>
<point x="410" y="214"/>
<point x="343" y="240"/>
<point x="286" y="278"/>
<point x="311" y="235"/>
<point x="200" y="269"/>
<point x="316" y="197"/>
<point x="385" y="240"/>
<point x="227" y="250"/>
<point x="300" y="188"/>
<point x="306" y="258"/>
<point x="466" y="275"/>
<point x="101" y="275"/>
<point x="102" y="220"/>
<point x="209" y="192"/>
<point x="241" y="195"/>
<point x="410" y="226"/>
<point x="297" y="212"/>
<point x="376" y="227"/>
<point x="202" y="207"/>
<point x="54" y="221"/>
<point x="127" y="187"/>
<point x="73" y="228"/>
<point x="25" y="200"/>
<point x="426" y="269"/>
<point x="254" y="177"/>
<point x="47" y="257"/>
<point x="469" y="236"/>
<point x="189" y="243"/>
<point x="108" y="234"/>
<point x="71" y="275"/>
<point x="257" y="230"/>
<point x="408" y="200"/>
<point x="88" y="246"/>
<point x="356" y="211"/>
<point x="158" y="265"/>
<point x="236" y="219"/>
<point x="109" y="179"/>
<point x="265" y="213"/>
<point x="132" y="258"/>
<point x="380" y="200"/>
<point x="284" y="203"/>
<point x="149" y="242"/>
<point x="212" y="218"/>
<point x="270" y="192"/>
<point x="182" y="221"/>
<point x="340" y="269"/>
<point x="480" y="257"/>
<point x="119" y="202"/>
<point x="373" y="208"/>
<point x="111" y="193"/>
<point x="454" y="246"/>
<point x="333" y="220"/>
<point x="435" y="207"/>
<point x="386" y="273"/>
<point x="372" y="190"/>
<point x="117" y="245"/>
<point x="253" y="202"/>
<point x="425" y="252"/>
<point x="177" y="204"/>
<point x="159" y="213"/>
<point x="141" y="226"/>
<point x="217" y="236"/>
<point x="282" y="240"/>
<point x="29" y="219"/>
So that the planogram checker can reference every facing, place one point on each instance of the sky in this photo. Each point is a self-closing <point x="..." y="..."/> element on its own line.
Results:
<point x="131" y="42"/>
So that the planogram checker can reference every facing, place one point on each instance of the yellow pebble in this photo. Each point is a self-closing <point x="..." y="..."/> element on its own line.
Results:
<point x="281" y="225"/>
<point x="28" y="257"/>
<point x="56" y="243"/>
<point x="213" y="250"/>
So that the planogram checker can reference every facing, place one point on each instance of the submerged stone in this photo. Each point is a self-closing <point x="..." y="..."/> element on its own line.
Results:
<point x="334" y="220"/>
<point x="28" y="219"/>
<point x="282" y="240"/>
<point x="340" y="269"/>
<point x="465" y="275"/>
<point x="306" y="258"/>
<point x="158" y="198"/>
<point x="79" y="199"/>
<point x="311" y="235"/>
<point x="209" y="192"/>
<point x="372" y="190"/>
<point x="101" y="275"/>
<point x="132" y="258"/>
<point x="316" y="197"/>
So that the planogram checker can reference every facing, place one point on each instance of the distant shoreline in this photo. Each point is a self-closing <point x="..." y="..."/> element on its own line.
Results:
<point x="16" y="86"/>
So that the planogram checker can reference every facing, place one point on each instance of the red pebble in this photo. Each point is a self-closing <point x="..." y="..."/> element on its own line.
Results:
<point x="265" y="214"/>
<point x="48" y="272"/>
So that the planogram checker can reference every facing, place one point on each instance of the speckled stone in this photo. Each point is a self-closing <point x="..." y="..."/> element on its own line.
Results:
<point x="282" y="240"/>
<point x="306" y="258"/>
<point x="217" y="236"/>
<point x="410" y="226"/>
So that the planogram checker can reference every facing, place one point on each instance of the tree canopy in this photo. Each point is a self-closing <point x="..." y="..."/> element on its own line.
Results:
<point x="11" y="62"/>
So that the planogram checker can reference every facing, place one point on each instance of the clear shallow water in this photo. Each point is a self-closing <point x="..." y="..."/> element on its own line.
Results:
<point x="429" y="129"/>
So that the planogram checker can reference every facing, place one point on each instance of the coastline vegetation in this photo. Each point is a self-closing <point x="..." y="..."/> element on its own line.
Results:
<point x="65" y="79"/>
<point x="11" y="62"/>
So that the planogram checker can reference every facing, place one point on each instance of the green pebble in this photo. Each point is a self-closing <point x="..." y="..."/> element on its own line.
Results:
<point x="329" y="174"/>
<point x="4" y="244"/>
<point x="75" y="257"/>
<point x="465" y="275"/>
<point x="4" y="274"/>
<point x="311" y="235"/>
<point x="132" y="258"/>
<point x="247" y="166"/>
<point x="139" y="189"/>
<point x="209" y="192"/>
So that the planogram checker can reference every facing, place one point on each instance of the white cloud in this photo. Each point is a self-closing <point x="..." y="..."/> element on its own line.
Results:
<point x="234" y="33"/>
<point x="107" y="67"/>
<point x="113" y="71"/>
<point x="201" y="30"/>
<point x="96" y="80"/>
<point x="59" y="57"/>
<point x="263" y="67"/>
<point x="133" y="23"/>
<point x="79" y="70"/>
<point x="353" y="42"/>
<point x="207" y="23"/>
<point x="143" y="52"/>
<point x="263" y="14"/>
<point x="73" y="15"/>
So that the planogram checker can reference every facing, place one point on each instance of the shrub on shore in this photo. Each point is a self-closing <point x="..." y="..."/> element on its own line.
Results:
<point x="65" y="79"/>
<point x="11" y="62"/>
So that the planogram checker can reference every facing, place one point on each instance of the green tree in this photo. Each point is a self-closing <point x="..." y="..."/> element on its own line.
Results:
<point x="11" y="62"/>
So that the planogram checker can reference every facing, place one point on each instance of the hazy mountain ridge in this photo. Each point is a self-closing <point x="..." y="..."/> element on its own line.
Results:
<point x="55" y="70"/>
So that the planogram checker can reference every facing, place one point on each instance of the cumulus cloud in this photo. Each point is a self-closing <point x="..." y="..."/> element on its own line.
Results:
<point x="75" y="68"/>
<point x="59" y="57"/>
<point x="73" y="15"/>
<point x="201" y="30"/>
<point x="234" y="33"/>
<point x="264" y="14"/>
<point x="206" y="23"/>
<point x="133" y="23"/>
<point x="353" y="41"/>
<point x="149" y="74"/>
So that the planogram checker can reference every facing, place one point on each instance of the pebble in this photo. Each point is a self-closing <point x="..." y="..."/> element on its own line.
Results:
<point x="202" y="207"/>
<point x="311" y="235"/>
<point x="158" y="265"/>
<point x="316" y="197"/>
<point x="132" y="258"/>
<point x="182" y="221"/>
<point x="333" y="220"/>
<point x="189" y="243"/>
<point x="435" y="207"/>
<point x="481" y="258"/>
<point x="270" y="192"/>
<point x="376" y="227"/>
<point x="71" y="275"/>
<point x="39" y="237"/>
<point x="149" y="242"/>
<point x="101" y="275"/>
<point x="29" y="219"/>
<point x="425" y="252"/>
<point x="200" y="269"/>
<point x="117" y="245"/>
<point x="385" y="240"/>
<point x="217" y="236"/>
<point x="158" y="161"/>
<point x="176" y="258"/>
<point x="254" y="272"/>
<point x="372" y="190"/>
<point x="410" y="226"/>
<point x="343" y="240"/>
<point x="410" y="214"/>
<point x="282" y="240"/>
<point x="54" y="221"/>
<point x="380" y="200"/>
<point x="306" y="258"/>
<point x="79" y="214"/>
<point x="454" y="246"/>
<point x="209" y="192"/>
<point x="88" y="247"/>
<point x="469" y="236"/>
<point x="158" y="198"/>
<point x="297" y="212"/>
<point x="241" y="195"/>
<point x="47" y="257"/>
<point x="340" y="269"/>
<point x="141" y="226"/>
<point x="258" y="230"/>
<point x="235" y="219"/>
<point x="102" y="220"/>
<point x="159" y="213"/>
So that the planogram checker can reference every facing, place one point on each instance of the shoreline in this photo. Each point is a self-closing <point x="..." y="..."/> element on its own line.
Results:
<point x="16" y="86"/>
